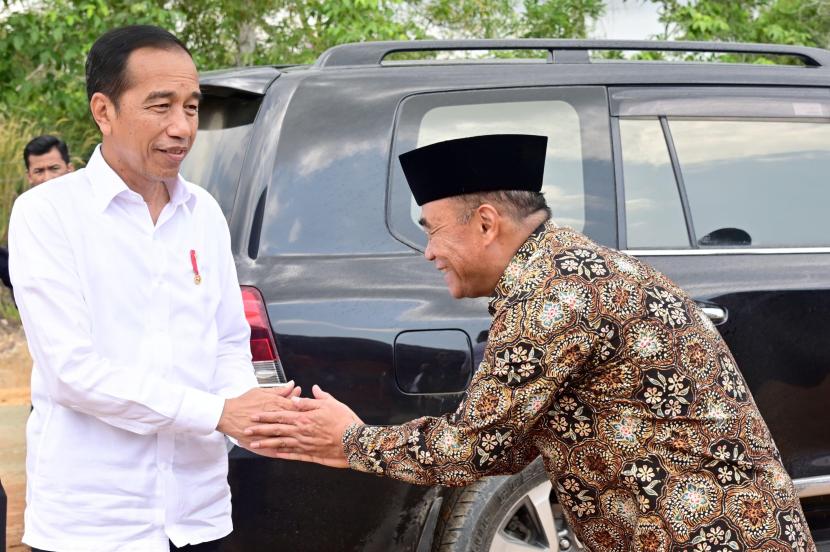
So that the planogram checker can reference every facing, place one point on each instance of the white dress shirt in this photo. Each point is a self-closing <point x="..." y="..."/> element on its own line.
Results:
<point x="132" y="363"/>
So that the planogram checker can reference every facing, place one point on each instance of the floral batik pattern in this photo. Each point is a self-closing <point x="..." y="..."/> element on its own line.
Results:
<point x="606" y="369"/>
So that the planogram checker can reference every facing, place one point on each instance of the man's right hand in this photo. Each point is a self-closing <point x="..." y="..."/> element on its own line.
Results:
<point x="236" y="416"/>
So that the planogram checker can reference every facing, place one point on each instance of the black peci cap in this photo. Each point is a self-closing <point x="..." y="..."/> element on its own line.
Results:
<point x="489" y="163"/>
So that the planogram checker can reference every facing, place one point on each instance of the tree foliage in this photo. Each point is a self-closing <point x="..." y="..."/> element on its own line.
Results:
<point x="43" y="45"/>
<point x="797" y="22"/>
<point x="226" y="33"/>
<point x="42" y="56"/>
<point x="302" y="30"/>
<point x="471" y="19"/>
<point x="562" y="19"/>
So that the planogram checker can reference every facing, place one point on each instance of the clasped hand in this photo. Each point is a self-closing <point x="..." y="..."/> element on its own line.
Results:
<point x="311" y="431"/>
<point x="278" y="423"/>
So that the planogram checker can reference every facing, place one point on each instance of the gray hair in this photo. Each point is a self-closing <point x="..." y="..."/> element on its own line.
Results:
<point x="517" y="204"/>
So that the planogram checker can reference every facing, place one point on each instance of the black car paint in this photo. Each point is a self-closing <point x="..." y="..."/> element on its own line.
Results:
<point x="777" y="305"/>
<point x="340" y="288"/>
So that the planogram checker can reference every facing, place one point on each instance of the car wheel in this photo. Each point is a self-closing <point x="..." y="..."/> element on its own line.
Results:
<point x="518" y="513"/>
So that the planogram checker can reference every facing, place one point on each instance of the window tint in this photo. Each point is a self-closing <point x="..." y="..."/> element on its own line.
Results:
<point x="758" y="183"/>
<point x="578" y="179"/>
<point x="653" y="212"/>
<point x="215" y="160"/>
<point x="749" y="183"/>
<point x="558" y="120"/>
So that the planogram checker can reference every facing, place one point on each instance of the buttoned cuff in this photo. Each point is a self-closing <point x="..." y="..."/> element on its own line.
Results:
<point x="200" y="412"/>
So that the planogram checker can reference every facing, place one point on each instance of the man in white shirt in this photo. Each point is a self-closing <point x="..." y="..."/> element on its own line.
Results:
<point x="129" y="297"/>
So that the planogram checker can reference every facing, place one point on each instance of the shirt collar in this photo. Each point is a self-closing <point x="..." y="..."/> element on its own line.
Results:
<point x="107" y="185"/>
<point x="533" y="245"/>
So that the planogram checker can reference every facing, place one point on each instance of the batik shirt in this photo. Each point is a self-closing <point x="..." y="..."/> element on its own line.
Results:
<point x="605" y="368"/>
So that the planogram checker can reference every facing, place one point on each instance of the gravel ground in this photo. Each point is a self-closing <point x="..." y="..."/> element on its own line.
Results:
<point x="15" y="370"/>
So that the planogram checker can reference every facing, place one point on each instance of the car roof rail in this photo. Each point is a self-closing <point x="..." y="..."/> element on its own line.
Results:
<point x="559" y="50"/>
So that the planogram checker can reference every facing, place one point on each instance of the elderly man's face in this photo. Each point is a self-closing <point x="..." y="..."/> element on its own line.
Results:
<point x="456" y="248"/>
<point x="46" y="167"/>
<point x="149" y="134"/>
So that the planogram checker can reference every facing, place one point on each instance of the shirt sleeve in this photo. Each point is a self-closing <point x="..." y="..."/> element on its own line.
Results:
<point x="234" y="372"/>
<point x="59" y="330"/>
<point x="528" y="358"/>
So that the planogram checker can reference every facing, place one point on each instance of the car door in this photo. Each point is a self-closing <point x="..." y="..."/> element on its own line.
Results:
<point x="726" y="190"/>
<point x="578" y="185"/>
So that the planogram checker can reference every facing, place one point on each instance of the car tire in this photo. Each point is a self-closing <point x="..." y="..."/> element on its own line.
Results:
<point x="505" y="513"/>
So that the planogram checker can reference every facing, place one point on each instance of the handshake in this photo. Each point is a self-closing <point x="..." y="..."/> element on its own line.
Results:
<point x="278" y="423"/>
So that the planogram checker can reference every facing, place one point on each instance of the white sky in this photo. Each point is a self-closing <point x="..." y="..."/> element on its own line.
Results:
<point x="632" y="19"/>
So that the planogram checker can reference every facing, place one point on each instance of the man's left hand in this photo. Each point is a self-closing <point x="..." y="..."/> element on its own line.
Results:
<point x="312" y="433"/>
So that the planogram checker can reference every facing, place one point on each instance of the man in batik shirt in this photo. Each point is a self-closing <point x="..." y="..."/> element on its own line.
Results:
<point x="595" y="360"/>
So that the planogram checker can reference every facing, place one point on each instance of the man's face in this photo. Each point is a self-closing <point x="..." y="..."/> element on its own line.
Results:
<point x="46" y="167"/>
<point x="147" y="137"/>
<point x="456" y="248"/>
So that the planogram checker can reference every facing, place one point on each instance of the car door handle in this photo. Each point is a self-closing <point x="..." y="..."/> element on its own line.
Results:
<point x="717" y="314"/>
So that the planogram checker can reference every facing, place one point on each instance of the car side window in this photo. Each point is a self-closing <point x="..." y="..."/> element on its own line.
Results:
<point x="562" y="183"/>
<point x="756" y="183"/>
<point x="653" y="211"/>
<point x="748" y="182"/>
<point x="578" y="179"/>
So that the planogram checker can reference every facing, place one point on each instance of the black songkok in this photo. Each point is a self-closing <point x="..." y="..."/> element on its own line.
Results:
<point x="489" y="163"/>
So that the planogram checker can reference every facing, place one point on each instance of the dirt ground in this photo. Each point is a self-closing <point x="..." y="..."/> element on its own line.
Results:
<point x="15" y="370"/>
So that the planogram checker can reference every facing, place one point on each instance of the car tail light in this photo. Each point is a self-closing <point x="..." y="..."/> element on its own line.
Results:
<point x="266" y="360"/>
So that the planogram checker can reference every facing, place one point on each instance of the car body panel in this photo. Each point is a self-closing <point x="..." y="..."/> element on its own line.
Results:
<point x="310" y="229"/>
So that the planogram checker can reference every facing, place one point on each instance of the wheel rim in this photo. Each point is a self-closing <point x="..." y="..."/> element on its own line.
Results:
<point x="534" y="523"/>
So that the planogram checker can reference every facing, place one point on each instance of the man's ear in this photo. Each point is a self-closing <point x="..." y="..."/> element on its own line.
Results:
<point x="103" y="111"/>
<point x="70" y="166"/>
<point x="489" y="221"/>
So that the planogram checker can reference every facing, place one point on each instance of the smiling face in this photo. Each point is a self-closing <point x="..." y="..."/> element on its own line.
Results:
<point x="46" y="167"/>
<point x="148" y="134"/>
<point x="457" y="249"/>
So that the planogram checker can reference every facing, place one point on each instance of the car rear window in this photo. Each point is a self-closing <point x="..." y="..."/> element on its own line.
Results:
<point x="215" y="160"/>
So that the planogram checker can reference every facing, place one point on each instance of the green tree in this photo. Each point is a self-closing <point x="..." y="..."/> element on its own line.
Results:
<point x="301" y="30"/>
<point x="42" y="55"/>
<point x="507" y="18"/>
<point x="225" y="33"/>
<point x="802" y="22"/>
<point x="561" y="19"/>
<point x="470" y="19"/>
<point x="43" y="45"/>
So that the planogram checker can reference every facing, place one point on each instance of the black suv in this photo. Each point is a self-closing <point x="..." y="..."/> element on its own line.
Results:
<point x="718" y="174"/>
